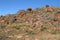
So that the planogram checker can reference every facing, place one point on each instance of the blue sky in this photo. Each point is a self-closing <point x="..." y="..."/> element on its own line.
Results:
<point x="12" y="6"/>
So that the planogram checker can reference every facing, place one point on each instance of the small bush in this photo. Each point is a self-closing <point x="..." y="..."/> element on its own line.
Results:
<point x="55" y="32"/>
<point x="2" y="26"/>
<point x="16" y="27"/>
<point x="12" y="20"/>
<point x="45" y="27"/>
<point x="2" y="16"/>
<point x="26" y="25"/>
<point x="29" y="31"/>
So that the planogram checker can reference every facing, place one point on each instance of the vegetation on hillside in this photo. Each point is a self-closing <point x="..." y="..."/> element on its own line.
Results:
<point x="38" y="24"/>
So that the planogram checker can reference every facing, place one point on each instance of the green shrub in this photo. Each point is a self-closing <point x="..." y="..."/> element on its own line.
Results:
<point x="26" y="25"/>
<point x="45" y="27"/>
<point x="29" y="31"/>
<point x="2" y="26"/>
<point x="55" y="32"/>
<point x="4" y="36"/>
<point x="12" y="20"/>
<point x="16" y="27"/>
<point x="2" y="16"/>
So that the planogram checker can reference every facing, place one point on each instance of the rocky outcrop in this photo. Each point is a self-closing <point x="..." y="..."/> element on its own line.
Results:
<point x="57" y="16"/>
<point x="29" y="10"/>
<point x="48" y="8"/>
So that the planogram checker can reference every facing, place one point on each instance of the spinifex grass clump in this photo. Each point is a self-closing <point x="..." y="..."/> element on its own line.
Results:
<point x="45" y="27"/>
<point x="29" y="31"/>
<point x="18" y="26"/>
<point x="2" y="26"/>
<point x="12" y="20"/>
<point x="55" y="32"/>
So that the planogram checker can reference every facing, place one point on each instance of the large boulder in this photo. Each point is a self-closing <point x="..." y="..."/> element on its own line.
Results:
<point x="57" y="16"/>
<point x="29" y="10"/>
<point x="8" y="15"/>
<point x="21" y="11"/>
<point x="48" y="8"/>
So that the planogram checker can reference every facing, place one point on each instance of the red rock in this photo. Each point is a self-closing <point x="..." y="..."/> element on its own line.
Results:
<point x="21" y="11"/>
<point x="48" y="8"/>
<point x="57" y="16"/>
<point x="29" y="10"/>
<point x="8" y="15"/>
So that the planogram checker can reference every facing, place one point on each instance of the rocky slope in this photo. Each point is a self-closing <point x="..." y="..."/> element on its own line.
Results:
<point x="38" y="24"/>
